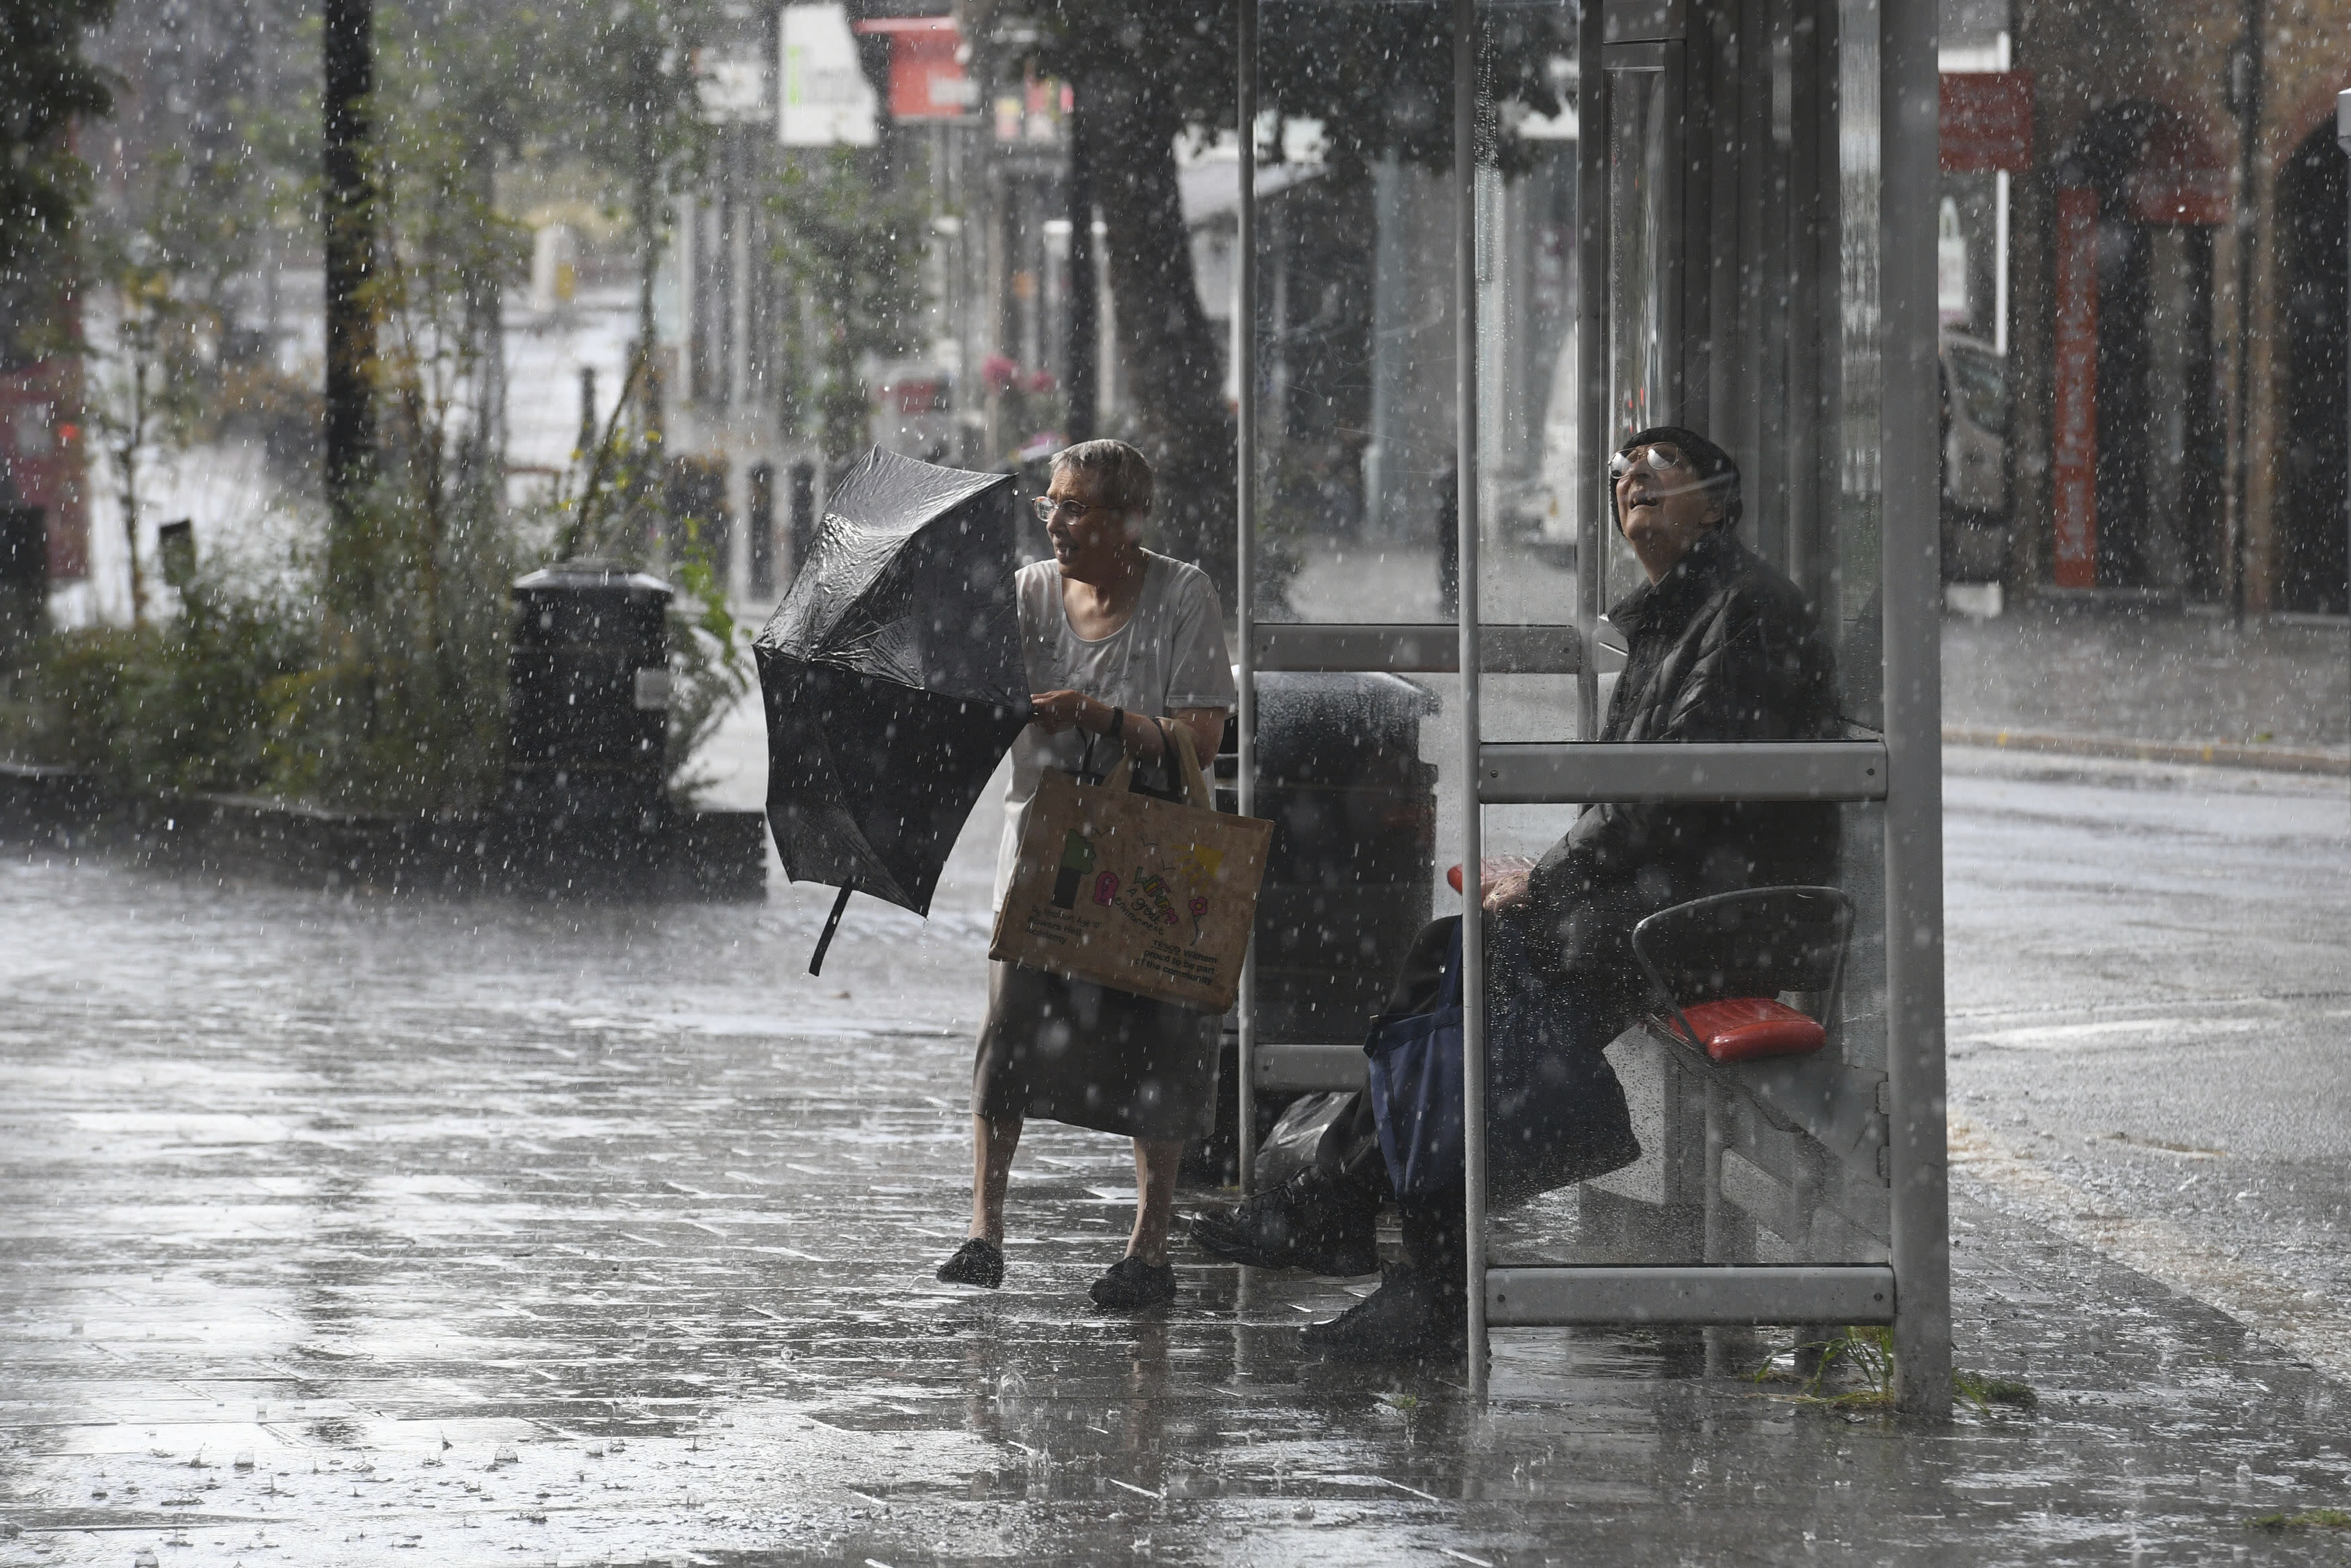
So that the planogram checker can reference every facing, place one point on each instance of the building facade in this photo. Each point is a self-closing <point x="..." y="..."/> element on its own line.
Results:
<point x="2176" y="279"/>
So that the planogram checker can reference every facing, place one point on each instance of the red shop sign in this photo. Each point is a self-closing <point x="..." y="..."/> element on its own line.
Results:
<point x="926" y="74"/>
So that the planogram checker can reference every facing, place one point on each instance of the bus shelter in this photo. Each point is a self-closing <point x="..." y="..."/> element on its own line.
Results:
<point x="1721" y="216"/>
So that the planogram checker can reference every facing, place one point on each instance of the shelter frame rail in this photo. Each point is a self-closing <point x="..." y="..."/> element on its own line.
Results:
<point x="1692" y="1293"/>
<point x="1524" y="773"/>
<point x="1432" y="648"/>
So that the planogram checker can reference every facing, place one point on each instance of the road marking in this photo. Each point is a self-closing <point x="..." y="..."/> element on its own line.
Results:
<point x="2044" y="1036"/>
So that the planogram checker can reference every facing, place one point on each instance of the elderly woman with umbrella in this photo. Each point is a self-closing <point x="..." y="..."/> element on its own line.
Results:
<point x="1122" y="646"/>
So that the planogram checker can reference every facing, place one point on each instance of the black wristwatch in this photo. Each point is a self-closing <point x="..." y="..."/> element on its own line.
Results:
<point x="1117" y="724"/>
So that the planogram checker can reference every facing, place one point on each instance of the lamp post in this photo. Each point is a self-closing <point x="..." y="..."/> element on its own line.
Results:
<point x="350" y="211"/>
<point x="2343" y="140"/>
<point x="2245" y="102"/>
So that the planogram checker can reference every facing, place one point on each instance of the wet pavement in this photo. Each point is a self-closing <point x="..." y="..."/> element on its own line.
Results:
<point x="2149" y="988"/>
<point x="346" y="1232"/>
<point x="2151" y="674"/>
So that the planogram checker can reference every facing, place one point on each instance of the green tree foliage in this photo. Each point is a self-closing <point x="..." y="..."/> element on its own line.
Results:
<point x="144" y="387"/>
<point x="851" y="246"/>
<point x="376" y="679"/>
<point x="402" y="706"/>
<point x="45" y="86"/>
<point x="629" y="108"/>
<point x="158" y="257"/>
<point x="197" y="703"/>
<point x="616" y="508"/>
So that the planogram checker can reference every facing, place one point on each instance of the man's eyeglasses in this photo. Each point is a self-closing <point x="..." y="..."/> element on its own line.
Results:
<point x="1047" y="509"/>
<point x="1661" y="459"/>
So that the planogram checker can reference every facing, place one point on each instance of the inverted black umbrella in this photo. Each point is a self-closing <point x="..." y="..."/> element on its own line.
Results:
<point x="894" y="680"/>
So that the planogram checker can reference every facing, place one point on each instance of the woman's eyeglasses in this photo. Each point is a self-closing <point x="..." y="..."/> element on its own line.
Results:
<point x="1047" y="509"/>
<point x="1660" y="459"/>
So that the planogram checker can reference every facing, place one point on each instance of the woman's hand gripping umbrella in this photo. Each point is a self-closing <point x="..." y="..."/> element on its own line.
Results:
<point x="894" y="680"/>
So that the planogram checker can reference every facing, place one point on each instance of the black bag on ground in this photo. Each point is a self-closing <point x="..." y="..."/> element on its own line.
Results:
<point x="1307" y="1137"/>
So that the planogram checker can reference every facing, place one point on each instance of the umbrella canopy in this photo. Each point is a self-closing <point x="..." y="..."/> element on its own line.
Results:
<point x="893" y="676"/>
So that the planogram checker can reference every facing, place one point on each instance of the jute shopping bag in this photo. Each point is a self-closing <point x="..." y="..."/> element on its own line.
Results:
<point x="1135" y="893"/>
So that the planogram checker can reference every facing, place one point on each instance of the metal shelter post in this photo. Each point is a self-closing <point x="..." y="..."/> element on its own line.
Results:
<point x="1914" y="806"/>
<point x="1591" y="365"/>
<point x="1465" y="466"/>
<point x="1244" y="552"/>
<point x="2343" y="140"/>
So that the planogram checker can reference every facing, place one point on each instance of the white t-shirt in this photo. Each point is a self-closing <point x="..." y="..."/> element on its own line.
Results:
<point x="1170" y="654"/>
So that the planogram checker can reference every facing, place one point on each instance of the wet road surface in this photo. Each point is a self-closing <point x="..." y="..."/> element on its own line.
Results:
<point x="341" y="1233"/>
<point x="2150" y="992"/>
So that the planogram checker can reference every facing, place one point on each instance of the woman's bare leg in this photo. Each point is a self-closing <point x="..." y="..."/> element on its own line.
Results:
<point x="992" y="1143"/>
<point x="1155" y="1163"/>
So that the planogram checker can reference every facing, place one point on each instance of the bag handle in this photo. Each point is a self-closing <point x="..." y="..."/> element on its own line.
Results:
<point x="1449" y="994"/>
<point x="1196" y="783"/>
<point x="1177" y="739"/>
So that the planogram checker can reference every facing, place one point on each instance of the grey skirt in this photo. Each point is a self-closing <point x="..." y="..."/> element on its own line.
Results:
<point x="1073" y="1052"/>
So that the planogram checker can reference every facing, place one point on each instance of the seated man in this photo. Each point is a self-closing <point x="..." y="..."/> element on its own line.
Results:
<point x="1720" y="648"/>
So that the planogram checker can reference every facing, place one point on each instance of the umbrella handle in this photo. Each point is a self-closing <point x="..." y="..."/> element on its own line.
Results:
<point x="832" y="924"/>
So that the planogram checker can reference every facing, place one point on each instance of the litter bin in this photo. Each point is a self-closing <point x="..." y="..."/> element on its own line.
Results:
<point x="1351" y="871"/>
<point x="588" y="688"/>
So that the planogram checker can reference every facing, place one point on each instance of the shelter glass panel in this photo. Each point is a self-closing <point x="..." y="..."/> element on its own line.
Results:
<point x="1354" y="323"/>
<point x="1773" y="1159"/>
<point x="1732" y="266"/>
<point x="1352" y="413"/>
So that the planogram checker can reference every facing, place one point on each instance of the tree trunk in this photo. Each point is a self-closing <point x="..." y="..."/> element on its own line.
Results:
<point x="1176" y="365"/>
<point x="350" y="209"/>
<point x="649" y="253"/>
<point x="485" y="326"/>
<point x="126" y="457"/>
<point x="1082" y="375"/>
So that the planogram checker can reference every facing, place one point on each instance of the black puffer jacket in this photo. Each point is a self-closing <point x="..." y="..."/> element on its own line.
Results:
<point x="1723" y="648"/>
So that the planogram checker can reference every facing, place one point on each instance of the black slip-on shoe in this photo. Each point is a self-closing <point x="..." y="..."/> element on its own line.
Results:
<point x="978" y="1262"/>
<point x="1132" y="1283"/>
<point x="1407" y="1318"/>
<point x="1300" y="1224"/>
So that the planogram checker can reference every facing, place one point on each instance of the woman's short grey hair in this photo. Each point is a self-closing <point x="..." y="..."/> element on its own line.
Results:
<point x="1124" y="473"/>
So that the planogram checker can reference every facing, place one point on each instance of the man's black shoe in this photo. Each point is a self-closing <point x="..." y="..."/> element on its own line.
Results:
<point x="1132" y="1283"/>
<point x="978" y="1262"/>
<point x="1308" y="1222"/>
<point x="1410" y="1316"/>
